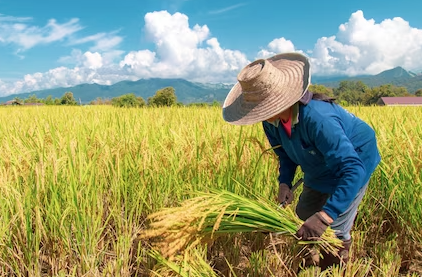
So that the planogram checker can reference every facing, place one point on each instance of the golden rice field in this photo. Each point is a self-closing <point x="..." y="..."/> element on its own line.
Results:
<point x="77" y="184"/>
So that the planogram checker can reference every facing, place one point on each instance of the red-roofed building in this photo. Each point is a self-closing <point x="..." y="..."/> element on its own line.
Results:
<point x="33" y="104"/>
<point x="12" y="102"/>
<point x="400" y="101"/>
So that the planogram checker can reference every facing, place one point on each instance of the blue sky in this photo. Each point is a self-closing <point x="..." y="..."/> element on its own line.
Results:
<point x="46" y="44"/>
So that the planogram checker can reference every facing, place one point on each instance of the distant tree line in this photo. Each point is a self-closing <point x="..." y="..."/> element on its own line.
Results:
<point x="66" y="99"/>
<point x="357" y="93"/>
<point x="347" y="93"/>
<point x="162" y="97"/>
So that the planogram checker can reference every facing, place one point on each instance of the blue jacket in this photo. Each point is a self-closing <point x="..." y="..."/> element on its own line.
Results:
<point x="336" y="151"/>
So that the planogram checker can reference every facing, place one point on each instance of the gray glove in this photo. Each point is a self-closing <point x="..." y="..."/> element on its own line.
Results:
<point x="313" y="228"/>
<point x="285" y="194"/>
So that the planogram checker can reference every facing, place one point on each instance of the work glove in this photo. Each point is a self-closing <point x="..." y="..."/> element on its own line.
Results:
<point x="285" y="194"/>
<point x="313" y="228"/>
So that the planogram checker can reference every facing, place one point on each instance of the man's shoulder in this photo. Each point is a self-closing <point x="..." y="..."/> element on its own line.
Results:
<point x="317" y="108"/>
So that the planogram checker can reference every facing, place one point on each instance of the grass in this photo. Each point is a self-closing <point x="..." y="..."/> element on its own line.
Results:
<point x="77" y="185"/>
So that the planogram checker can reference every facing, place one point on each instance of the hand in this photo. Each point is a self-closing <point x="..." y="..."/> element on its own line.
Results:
<point x="314" y="227"/>
<point x="285" y="194"/>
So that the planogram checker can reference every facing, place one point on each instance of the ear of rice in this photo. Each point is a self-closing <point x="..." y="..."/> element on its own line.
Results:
<point x="199" y="219"/>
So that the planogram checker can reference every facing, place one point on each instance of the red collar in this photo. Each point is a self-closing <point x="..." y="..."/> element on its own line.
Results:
<point x="288" y="125"/>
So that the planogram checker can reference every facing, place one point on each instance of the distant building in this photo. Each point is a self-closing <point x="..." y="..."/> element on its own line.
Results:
<point x="17" y="103"/>
<point x="12" y="102"/>
<point x="33" y="104"/>
<point x="400" y="101"/>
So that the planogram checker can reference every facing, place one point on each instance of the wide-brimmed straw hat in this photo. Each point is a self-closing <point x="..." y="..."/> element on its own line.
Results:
<point x="267" y="87"/>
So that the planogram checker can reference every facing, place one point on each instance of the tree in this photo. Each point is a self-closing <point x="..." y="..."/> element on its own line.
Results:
<point x="49" y="100"/>
<point x="389" y="90"/>
<point x="321" y="89"/>
<point x="215" y="103"/>
<point x="18" y="100"/>
<point x="163" y="97"/>
<point x="351" y="92"/>
<point x="68" y="99"/>
<point x="418" y="93"/>
<point x="128" y="100"/>
<point x="346" y="86"/>
<point x="32" y="99"/>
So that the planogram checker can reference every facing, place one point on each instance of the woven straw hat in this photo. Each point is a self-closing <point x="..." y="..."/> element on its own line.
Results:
<point x="267" y="87"/>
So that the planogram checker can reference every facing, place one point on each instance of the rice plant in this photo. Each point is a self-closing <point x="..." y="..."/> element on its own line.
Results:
<point x="78" y="183"/>
<point x="192" y="264"/>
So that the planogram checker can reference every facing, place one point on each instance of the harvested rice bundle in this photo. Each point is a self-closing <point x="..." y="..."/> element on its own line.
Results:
<point x="208" y="214"/>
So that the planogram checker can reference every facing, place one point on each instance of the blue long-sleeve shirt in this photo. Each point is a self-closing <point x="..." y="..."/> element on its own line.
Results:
<point x="336" y="151"/>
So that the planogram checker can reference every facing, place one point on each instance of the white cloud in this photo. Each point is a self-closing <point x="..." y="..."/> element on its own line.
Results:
<point x="93" y="60"/>
<point x="278" y="45"/>
<point x="112" y="57"/>
<point x="227" y="9"/>
<point x="25" y="36"/>
<point x="182" y="52"/>
<point x="61" y="77"/>
<point x="102" y="41"/>
<point x="363" y="46"/>
<point x="75" y="58"/>
<point x="138" y="62"/>
<point x="16" y="31"/>
<point x="5" y="18"/>
<point x="173" y="37"/>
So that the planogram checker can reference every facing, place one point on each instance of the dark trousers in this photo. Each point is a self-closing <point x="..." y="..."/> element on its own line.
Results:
<point x="312" y="201"/>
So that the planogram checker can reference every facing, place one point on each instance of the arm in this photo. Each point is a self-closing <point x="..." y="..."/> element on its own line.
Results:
<point x="340" y="156"/>
<point x="287" y="167"/>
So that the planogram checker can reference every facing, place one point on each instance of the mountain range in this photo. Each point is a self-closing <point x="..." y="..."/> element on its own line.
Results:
<point x="190" y="92"/>
<point x="397" y="76"/>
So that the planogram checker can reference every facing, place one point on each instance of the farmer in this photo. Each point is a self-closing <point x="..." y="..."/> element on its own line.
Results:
<point x="336" y="151"/>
